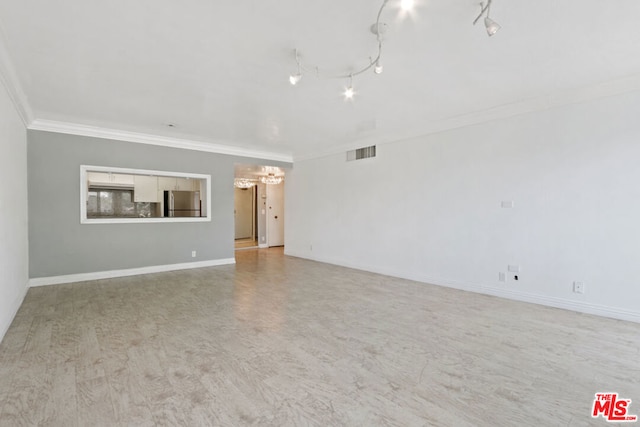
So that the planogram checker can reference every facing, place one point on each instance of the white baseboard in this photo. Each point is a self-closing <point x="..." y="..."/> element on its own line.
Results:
<point x="8" y="317"/>
<point x="263" y="246"/>
<point x="81" y="277"/>
<point x="579" y="306"/>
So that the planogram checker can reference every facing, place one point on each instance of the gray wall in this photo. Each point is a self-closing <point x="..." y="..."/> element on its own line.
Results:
<point x="60" y="245"/>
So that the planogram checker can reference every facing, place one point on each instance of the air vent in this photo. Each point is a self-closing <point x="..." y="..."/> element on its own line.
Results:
<point x="361" y="153"/>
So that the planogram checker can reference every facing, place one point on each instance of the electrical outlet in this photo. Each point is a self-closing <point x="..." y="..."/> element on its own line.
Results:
<point x="502" y="277"/>
<point x="514" y="268"/>
<point x="193" y="254"/>
<point x="578" y="287"/>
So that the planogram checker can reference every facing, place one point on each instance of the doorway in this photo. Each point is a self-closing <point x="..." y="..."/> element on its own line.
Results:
<point x="258" y="206"/>
<point x="246" y="218"/>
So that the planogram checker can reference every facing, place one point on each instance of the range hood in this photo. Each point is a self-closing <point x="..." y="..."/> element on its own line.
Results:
<point x="110" y="185"/>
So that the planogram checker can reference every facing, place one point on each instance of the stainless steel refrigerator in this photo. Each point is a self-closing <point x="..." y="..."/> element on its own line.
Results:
<point x="182" y="204"/>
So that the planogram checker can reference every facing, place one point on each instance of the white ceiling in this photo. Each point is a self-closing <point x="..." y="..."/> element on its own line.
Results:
<point x="219" y="70"/>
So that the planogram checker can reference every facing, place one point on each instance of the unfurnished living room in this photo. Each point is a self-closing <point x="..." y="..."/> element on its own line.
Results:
<point x="292" y="213"/>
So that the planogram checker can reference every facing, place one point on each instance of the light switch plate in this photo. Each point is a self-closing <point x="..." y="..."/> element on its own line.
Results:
<point x="507" y="203"/>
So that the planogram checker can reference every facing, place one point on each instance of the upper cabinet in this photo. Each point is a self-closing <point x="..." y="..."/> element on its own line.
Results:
<point x="145" y="189"/>
<point x="166" y="183"/>
<point x="187" y="184"/>
<point x="106" y="179"/>
<point x="122" y="179"/>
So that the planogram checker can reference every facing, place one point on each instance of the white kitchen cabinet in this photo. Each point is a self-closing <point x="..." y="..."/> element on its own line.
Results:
<point x="122" y="179"/>
<point x="98" y="177"/>
<point x="145" y="189"/>
<point x="106" y="179"/>
<point x="166" y="183"/>
<point x="185" y="184"/>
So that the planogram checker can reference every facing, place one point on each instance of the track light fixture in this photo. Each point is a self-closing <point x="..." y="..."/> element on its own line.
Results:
<point x="378" y="68"/>
<point x="491" y="25"/>
<point x="378" y="29"/>
<point x="349" y="92"/>
<point x="294" y="79"/>
<point x="406" y="4"/>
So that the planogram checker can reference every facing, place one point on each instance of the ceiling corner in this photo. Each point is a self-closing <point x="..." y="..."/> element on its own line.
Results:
<point x="10" y="81"/>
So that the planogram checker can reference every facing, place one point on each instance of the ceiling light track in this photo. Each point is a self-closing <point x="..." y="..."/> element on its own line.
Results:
<point x="378" y="28"/>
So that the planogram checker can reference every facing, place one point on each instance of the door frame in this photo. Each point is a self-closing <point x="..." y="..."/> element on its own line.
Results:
<point x="254" y="212"/>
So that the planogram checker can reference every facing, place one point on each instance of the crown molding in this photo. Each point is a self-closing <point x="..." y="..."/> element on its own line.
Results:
<point x="573" y="96"/>
<point x="143" y="138"/>
<point x="9" y="80"/>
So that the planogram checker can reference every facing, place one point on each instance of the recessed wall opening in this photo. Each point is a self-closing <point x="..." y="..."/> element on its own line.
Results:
<point x="113" y="195"/>
<point x="258" y="206"/>
<point x="246" y="217"/>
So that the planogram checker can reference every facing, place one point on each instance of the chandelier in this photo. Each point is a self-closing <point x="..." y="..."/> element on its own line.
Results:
<point x="271" y="179"/>
<point x="244" y="183"/>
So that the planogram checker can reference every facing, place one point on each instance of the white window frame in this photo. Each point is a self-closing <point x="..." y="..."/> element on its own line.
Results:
<point x="84" y="194"/>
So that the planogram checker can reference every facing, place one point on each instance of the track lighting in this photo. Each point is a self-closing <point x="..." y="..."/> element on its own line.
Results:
<point x="378" y="68"/>
<point x="294" y="79"/>
<point x="349" y="92"/>
<point x="378" y="28"/>
<point x="406" y="5"/>
<point x="491" y="25"/>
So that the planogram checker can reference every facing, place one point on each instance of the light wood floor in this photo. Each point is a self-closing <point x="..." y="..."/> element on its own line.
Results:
<point x="246" y="243"/>
<point x="280" y="341"/>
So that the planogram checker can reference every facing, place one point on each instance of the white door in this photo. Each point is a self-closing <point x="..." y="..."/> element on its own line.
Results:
<point x="275" y="214"/>
<point x="244" y="211"/>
